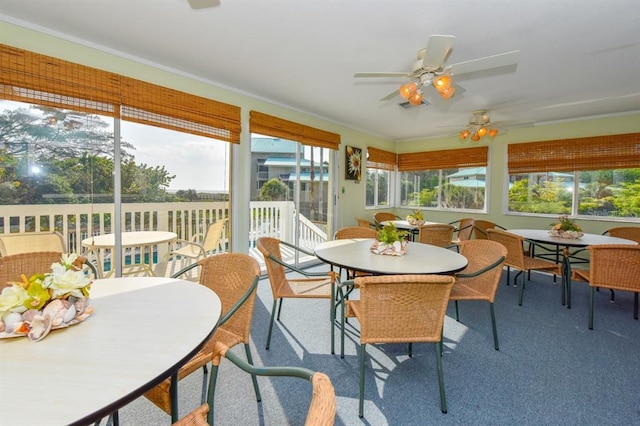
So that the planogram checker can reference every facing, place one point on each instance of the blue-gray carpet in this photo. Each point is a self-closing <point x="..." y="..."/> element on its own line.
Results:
<point x="550" y="368"/>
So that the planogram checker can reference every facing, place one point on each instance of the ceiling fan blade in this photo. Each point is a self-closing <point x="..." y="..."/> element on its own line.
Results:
<point x="437" y="50"/>
<point x="382" y="74"/>
<point x="488" y="62"/>
<point x="390" y="95"/>
<point x="201" y="4"/>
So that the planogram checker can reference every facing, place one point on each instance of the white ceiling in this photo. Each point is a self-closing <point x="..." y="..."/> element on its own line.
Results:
<point x="579" y="58"/>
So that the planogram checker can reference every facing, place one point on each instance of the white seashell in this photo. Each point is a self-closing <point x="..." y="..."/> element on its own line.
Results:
<point x="11" y="320"/>
<point x="70" y="314"/>
<point x="56" y="309"/>
<point x="81" y="304"/>
<point x="40" y="327"/>
<point x="397" y="246"/>
<point x="28" y="315"/>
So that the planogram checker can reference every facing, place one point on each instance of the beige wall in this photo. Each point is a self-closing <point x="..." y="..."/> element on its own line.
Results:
<point x="351" y="201"/>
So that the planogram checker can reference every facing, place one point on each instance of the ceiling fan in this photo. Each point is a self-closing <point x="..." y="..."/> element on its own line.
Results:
<point x="202" y="4"/>
<point x="431" y="70"/>
<point x="479" y="126"/>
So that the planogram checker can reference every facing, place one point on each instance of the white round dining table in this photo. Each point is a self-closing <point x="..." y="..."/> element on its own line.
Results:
<point x="141" y="331"/>
<point x="98" y="243"/>
<point x="420" y="258"/>
<point x="542" y="236"/>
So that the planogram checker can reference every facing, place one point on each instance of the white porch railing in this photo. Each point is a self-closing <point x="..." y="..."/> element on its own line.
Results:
<point x="187" y="219"/>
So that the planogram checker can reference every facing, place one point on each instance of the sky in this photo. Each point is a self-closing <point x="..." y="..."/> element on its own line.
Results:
<point x="199" y="163"/>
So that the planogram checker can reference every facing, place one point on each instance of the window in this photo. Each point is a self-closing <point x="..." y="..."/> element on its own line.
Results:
<point x="294" y="201"/>
<point x="596" y="176"/>
<point x="60" y="163"/>
<point x="444" y="180"/>
<point x="380" y="164"/>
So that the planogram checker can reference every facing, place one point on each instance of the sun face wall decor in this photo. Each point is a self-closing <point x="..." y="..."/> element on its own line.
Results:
<point x="353" y="163"/>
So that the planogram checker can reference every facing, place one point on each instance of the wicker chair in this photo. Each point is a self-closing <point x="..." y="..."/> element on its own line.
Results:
<point x="197" y="417"/>
<point x="401" y="309"/>
<point x="518" y="259"/>
<point x="440" y="235"/>
<point x="480" y="279"/>
<point x="384" y="216"/>
<point x="480" y="228"/>
<point x="27" y="264"/>
<point x="354" y="232"/>
<point x="195" y="250"/>
<point x="322" y="410"/>
<point x="29" y="242"/>
<point x="234" y="278"/>
<point x="464" y="229"/>
<point x="364" y="223"/>
<point x="628" y="232"/>
<point x="616" y="267"/>
<point x="313" y="285"/>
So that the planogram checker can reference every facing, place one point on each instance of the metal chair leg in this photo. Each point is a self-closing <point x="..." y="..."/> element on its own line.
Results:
<point x="363" y="350"/>
<point x="592" y="294"/>
<point x="273" y="314"/>
<point x="495" y="329"/>
<point x="212" y="389"/>
<point x="280" y="308"/>
<point x="254" y="378"/>
<point x="173" y="394"/>
<point x="443" y="399"/>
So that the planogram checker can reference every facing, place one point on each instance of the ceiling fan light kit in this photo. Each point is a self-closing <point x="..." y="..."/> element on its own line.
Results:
<point x="431" y="70"/>
<point x="479" y="126"/>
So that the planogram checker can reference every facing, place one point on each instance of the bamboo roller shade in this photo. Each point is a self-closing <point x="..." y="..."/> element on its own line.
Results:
<point x="592" y="153"/>
<point x="31" y="77"/>
<point x="269" y="125"/>
<point x="380" y="159"/>
<point x="445" y="159"/>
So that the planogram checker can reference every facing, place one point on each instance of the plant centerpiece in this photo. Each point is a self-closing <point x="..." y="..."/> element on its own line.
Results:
<point x="415" y="218"/>
<point x="390" y="241"/>
<point x="566" y="228"/>
<point x="44" y="302"/>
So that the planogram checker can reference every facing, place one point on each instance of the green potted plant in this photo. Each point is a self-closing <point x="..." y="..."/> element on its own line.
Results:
<point x="390" y="241"/>
<point x="415" y="218"/>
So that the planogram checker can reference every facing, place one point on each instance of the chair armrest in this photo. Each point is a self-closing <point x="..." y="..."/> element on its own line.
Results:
<point x="300" y="249"/>
<point x="300" y="372"/>
<point x="94" y="269"/>
<point x="300" y="271"/>
<point x="240" y="302"/>
<point x="483" y="270"/>
<point x="179" y="244"/>
<point x="185" y="270"/>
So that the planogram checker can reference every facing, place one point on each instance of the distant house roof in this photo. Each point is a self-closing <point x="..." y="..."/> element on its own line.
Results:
<point x="475" y="171"/>
<point x="306" y="177"/>
<point x="290" y="162"/>
<point x="469" y="183"/>
<point x="273" y="145"/>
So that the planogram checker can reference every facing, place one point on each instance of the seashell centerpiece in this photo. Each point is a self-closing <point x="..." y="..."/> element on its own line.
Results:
<point x="566" y="228"/>
<point x="43" y="302"/>
<point x="416" y="218"/>
<point x="390" y="242"/>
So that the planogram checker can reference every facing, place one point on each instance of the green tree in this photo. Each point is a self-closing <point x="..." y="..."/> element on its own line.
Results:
<point x="50" y="155"/>
<point x="628" y="199"/>
<point x="273" y="190"/>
